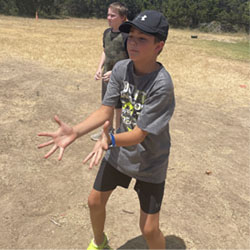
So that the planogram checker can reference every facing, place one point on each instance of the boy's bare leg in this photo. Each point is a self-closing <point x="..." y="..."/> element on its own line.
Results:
<point x="149" y="224"/>
<point x="118" y="113"/>
<point x="97" y="204"/>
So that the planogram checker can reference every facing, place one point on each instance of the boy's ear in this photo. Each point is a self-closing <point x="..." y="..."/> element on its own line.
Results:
<point x="124" y="18"/>
<point x="160" y="46"/>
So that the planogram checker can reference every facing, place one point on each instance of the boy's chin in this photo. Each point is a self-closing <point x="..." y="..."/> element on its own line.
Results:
<point x="133" y="56"/>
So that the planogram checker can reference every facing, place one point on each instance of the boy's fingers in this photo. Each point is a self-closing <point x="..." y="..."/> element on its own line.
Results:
<point x="106" y="128"/>
<point x="105" y="79"/>
<point x="58" y="120"/>
<point x="53" y="149"/>
<point x="106" y="125"/>
<point x="45" y="134"/>
<point x="88" y="157"/>
<point x="92" y="162"/>
<point x="61" y="153"/>
<point x="45" y="144"/>
<point x="98" y="156"/>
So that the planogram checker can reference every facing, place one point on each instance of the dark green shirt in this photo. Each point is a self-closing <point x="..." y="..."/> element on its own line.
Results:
<point x="114" y="44"/>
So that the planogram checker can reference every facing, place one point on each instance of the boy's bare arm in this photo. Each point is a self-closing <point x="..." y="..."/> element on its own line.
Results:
<point x="133" y="137"/>
<point x="65" y="134"/>
<point x="98" y="74"/>
<point x="95" y="120"/>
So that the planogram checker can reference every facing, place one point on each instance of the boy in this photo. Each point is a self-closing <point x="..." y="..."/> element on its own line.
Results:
<point x="114" y="50"/>
<point x="140" y="149"/>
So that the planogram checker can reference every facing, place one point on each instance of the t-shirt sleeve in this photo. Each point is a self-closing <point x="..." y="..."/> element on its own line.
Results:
<point x="157" y="110"/>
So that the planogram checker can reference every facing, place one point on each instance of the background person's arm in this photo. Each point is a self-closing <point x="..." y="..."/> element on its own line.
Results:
<point x="98" y="74"/>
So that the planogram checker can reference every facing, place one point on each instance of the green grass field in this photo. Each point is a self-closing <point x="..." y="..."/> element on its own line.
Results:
<point x="235" y="51"/>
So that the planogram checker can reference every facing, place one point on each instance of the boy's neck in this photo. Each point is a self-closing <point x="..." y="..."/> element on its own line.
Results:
<point x="143" y="69"/>
<point x="115" y="29"/>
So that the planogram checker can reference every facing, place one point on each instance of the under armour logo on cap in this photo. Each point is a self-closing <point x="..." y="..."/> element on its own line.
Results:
<point x="143" y="18"/>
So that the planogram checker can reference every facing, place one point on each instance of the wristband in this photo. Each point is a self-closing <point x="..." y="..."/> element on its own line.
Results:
<point x="112" y="140"/>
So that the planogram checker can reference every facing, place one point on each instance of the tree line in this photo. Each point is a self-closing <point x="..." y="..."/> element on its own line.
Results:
<point x="232" y="14"/>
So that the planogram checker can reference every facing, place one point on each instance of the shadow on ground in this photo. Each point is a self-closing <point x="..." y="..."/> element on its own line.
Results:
<point x="172" y="242"/>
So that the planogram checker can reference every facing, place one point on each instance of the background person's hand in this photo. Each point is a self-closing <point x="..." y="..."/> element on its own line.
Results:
<point x="101" y="145"/>
<point x="63" y="137"/>
<point x="98" y="74"/>
<point x="106" y="76"/>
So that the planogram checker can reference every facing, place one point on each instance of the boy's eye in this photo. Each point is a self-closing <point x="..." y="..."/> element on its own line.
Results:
<point x="110" y="15"/>
<point x="141" y="40"/>
<point x="130" y="38"/>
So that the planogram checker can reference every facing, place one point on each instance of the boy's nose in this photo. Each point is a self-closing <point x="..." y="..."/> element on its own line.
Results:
<point x="132" y="41"/>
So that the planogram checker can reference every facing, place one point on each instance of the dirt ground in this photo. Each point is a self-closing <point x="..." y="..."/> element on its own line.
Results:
<point x="44" y="202"/>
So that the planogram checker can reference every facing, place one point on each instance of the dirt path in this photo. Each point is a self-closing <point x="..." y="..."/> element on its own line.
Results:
<point x="43" y="202"/>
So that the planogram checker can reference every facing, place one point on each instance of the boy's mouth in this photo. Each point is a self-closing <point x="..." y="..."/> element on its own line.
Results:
<point x="133" y="51"/>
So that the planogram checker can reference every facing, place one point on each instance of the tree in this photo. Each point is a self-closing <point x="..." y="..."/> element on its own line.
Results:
<point x="8" y="7"/>
<point x="232" y="14"/>
<point x="134" y="7"/>
<point x="177" y="13"/>
<point x="244" y="12"/>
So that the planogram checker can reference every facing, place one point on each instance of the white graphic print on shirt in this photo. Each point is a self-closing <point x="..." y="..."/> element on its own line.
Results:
<point x="132" y="101"/>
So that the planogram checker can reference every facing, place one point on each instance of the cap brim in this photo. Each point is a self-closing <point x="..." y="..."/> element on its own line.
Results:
<point x="125" y="27"/>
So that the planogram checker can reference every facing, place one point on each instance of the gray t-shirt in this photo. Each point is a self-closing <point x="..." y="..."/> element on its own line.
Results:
<point x="147" y="101"/>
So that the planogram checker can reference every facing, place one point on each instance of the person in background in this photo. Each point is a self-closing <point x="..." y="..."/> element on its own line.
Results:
<point x="114" y="50"/>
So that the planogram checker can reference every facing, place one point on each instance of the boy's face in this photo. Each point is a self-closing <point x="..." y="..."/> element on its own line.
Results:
<point x="114" y="19"/>
<point x="142" y="47"/>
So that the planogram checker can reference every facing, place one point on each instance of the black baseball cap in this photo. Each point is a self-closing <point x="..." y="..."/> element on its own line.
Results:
<point x="150" y="22"/>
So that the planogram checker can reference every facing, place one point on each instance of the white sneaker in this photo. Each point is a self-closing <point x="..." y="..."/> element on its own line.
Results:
<point x="96" y="136"/>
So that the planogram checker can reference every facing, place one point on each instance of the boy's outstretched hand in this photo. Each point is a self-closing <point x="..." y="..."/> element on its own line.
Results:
<point x="63" y="137"/>
<point x="101" y="145"/>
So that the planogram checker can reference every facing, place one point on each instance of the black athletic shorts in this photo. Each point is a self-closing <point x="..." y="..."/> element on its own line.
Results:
<point x="150" y="194"/>
<point x="104" y="89"/>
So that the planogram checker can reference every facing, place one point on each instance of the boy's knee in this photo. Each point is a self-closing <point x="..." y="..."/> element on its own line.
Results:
<point x="97" y="200"/>
<point x="93" y="202"/>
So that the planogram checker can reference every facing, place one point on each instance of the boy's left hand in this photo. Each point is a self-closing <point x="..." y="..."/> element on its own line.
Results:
<point x="106" y="76"/>
<point x="101" y="145"/>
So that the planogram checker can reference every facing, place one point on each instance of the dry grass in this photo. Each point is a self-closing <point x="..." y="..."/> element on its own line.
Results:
<point x="200" y="73"/>
<point x="73" y="44"/>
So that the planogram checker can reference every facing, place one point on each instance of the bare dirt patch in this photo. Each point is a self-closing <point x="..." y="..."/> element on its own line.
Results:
<point x="44" y="202"/>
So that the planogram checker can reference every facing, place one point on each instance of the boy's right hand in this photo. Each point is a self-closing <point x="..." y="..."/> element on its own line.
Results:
<point x="100" y="147"/>
<point x="98" y="75"/>
<point x="62" y="138"/>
